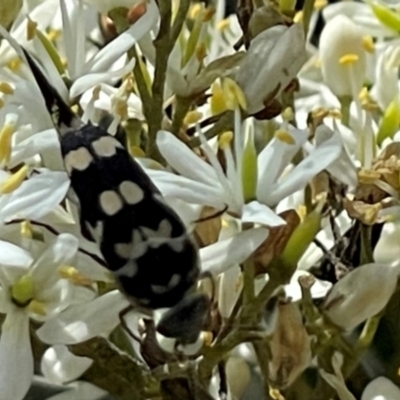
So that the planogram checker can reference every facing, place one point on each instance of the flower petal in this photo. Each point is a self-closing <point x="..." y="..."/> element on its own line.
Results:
<point x="84" y="321"/>
<point x="220" y="256"/>
<point x="61" y="251"/>
<point x="381" y="388"/>
<point x="59" y="365"/>
<point x="36" y="197"/>
<point x="82" y="391"/>
<point x="183" y="160"/>
<point x="258" y="213"/>
<point x="12" y="255"/>
<point x="16" y="367"/>
<point x="298" y="178"/>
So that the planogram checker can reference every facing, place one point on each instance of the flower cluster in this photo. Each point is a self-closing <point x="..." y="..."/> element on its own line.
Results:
<point x="277" y="144"/>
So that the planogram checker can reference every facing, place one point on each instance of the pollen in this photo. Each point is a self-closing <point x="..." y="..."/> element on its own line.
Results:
<point x="319" y="4"/>
<point x="26" y="230"/>
<point x="284" y="136"/>
<point x="6" y="88"/>
<point x="14" y="64"/>
<point x="298" y="17"/>
<point x="72" y="274"/>
<point x="31" y="29"/>
<point x="223" y="24"/>
<point x="37" y="307"/>
<point x="225" y="139"/>
<point x="217" y="101"/>
<point x="348" y="59"/>
<point x="53" y="34"/>
<point x="194" y="10"/>
<point x="234" y="96"/>
<point x="192" y="117"/>
<point x="5" y="142"/>
<point x="14" y="181"/>
<point x="368" y="44"/>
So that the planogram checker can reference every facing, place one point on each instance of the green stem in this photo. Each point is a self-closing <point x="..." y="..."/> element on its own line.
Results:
<point x="182" y="106"/>
<point x="248" y="282"/>
<point x="345" y="102"/>
<point x="261" y="350"/>
<point x="308" y="9"/>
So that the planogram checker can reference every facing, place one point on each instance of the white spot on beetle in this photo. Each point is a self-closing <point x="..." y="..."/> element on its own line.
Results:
<point x="123" y="250"/>
<point x="78" y="159"/>
<point x="129" y="270"/>
<point x="106" y="146"/>
<point x="158" y="289"/>
<point x="131" y="192"/>
<point x="174" y="281"/>
<point x="110" y="202"/>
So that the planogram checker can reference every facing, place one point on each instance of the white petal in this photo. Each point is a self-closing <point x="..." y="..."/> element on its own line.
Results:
<point x="35" y="144"/>
<point x="16" y="366"/>
<point x="91" y="80"/>
<point x="229" y="290"/>
<point x="220" y="256"/>
<point x="60" y="366"/>
<point x="193" y="192"/>
<point x="381" y="388"/>
<point x="36" y="197"/>
<point x="318" y="290"/>
<point x="10" y="254"/>
<point x="84" y="321"/>
<point x="115" y="49"/>
<point x="261" y="214"/>
<point x="60" y="252"/>
<point x="183" y="160"/>
<point x="298" y="178"/>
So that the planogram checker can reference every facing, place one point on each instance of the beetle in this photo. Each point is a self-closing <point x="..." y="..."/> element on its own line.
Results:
<point x="144" y="242"/>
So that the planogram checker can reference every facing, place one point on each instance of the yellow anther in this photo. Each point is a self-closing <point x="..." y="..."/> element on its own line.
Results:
<point x="201" y="51"/>
<point x="284" y="136"/>
<point x="348" y="59"/>
<point x="223" y="24"/>
<point x="194" y="10"/>
<point x="207" y="338"/>
<point x="217" y="101"/>
<point x="335" y="114"/>
<point x="208" y="13"/>
<point x="72" y="274"/>
<point x="6" y="88"/>
<point x="192" y="117"/>
<point x="298" y="17"/>
<point x="234" y="96"/>
<point x="368" y="176"/>
<point x="5" y="142"/>
<point x="53" y="34"/>
<point x="319" y="4"/>
<point x="288" y="114"/>
<point x="26" y="230"/>
<point x="225" y="139"/>
<point x="31" y="29"/>
<point x="14" y="181"/>
<point x="14" y="64"/>
<point x="136" y="151"/>
<point x="22" y="290"/>
<point x="37" y="307"/>
<point x="317" y="62"/>
<point x="368" y="44"/>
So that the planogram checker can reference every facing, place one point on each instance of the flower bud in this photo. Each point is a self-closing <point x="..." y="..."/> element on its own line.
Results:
<point x="343" y="59"/>
<point x="361" y="294"/>
<point x="290" y="347"/>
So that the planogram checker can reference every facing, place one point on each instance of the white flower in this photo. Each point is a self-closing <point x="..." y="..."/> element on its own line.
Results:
<point x="34" y="289"/>
<point x="100" y="316"/>
<point x="360" y="294"/>
<point x="82" y="391"/>
<point x="343" y="58"/>
<point x="272" y="61"/>
<point x="381" y="388"/>
<point x="207" y="184"/>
